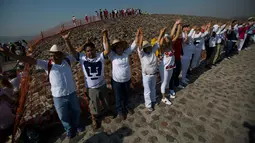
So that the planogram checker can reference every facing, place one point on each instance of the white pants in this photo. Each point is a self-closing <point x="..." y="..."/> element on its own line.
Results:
<point x="187" y="55"/>
<point x="149" y="84"/>
<point x="240" y="44"/>
<point x="165" y="76"/>
<point x="197" y="56"/>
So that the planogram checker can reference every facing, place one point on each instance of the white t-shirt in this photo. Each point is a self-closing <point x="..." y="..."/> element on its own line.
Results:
<point x="120" y="64"/>
<point x="61" y="77"/>
<point x="93" y="70"/>
<point x="149" y="61"/>
<point x="16" y="82"/>
<point x="168" y="61"/>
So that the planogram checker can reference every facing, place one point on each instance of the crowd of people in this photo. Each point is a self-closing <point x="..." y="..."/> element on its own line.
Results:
<point x="105" y="14"/>
<point x="171" y="53"/>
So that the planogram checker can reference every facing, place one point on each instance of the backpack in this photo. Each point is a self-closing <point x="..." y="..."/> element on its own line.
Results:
<point x="50" y="66"/>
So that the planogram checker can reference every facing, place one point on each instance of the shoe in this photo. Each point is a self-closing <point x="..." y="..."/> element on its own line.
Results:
<point x="172" y="96"/>
<point x="172" y="92"/>
<point x="150" y="109"/>
<point x="80" y="129"/>
<point x="131" y="111"/>
<point x="186" y="79"/>
<point x="111" y="114"/>
<point x="185" y="82"/>
<point x="166" y="101"/>
<point x="70" y="134"/>
<point x="180" y="86"/>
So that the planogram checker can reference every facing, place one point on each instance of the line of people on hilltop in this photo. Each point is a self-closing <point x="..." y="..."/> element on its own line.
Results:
<point x="170" y="54"/>
<point x="105" y="14"/>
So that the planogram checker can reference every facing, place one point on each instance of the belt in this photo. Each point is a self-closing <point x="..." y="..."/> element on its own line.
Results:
<point x="151" y="74"/>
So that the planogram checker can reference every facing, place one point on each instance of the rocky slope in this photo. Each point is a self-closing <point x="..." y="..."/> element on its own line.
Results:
<point x="39" y="100"/>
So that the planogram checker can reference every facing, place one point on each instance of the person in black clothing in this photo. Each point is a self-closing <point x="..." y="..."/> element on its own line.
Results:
<point x="113" y="14"/>
<point x="231" y="41"/>
<point x="101" y="14"/>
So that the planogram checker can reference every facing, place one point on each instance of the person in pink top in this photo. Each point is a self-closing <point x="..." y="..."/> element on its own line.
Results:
<point x="242" y="31"/>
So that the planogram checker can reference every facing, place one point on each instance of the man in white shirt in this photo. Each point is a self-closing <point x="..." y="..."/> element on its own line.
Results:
<point x="74" y="21"/>
<point x="93" y="69"/>
<point x="62" y="86"/>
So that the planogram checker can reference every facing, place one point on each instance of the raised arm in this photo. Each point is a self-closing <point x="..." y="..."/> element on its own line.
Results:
<point x="192" y="31"/>
<point x="69" y="45"/>
<point x="140" y="42"/>
<point x="177" y="34"/>
<point x="106" y="43"/>
<point x="174" y="27"/>
<point x="25" y="59"/>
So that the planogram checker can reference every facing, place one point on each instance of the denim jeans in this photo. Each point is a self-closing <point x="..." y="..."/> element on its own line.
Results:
<point x="229" y="48"/>
<point x="122" y="93"/>
<point x="65" y="106"/>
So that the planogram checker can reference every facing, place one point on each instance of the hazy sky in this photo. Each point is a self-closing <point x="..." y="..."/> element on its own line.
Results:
<point x="29" y="17"/>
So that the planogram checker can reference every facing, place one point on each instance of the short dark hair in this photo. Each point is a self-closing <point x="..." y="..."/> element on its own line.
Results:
<point x="186" y="25"/>
<point x="89" y="44"/>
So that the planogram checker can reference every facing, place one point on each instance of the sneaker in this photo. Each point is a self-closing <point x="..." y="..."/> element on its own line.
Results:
<point x="180" y="86"/>
<point x="172" y="92"/>
<point x="186" y="79"/>
<point x="150" y="109"/>
<point x="80" y="129"/>
<point x="172" y="96"/>
<point x="185" y="82"/>
<point x="166" y="101"/>
<point x="70" y="134"/>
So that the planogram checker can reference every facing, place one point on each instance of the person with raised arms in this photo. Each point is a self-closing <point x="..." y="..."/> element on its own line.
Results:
<point x="63" y="87"/>
<point x="149" y="65"/>
<point x="121" y="74"/>
<point x="93" y="69"/>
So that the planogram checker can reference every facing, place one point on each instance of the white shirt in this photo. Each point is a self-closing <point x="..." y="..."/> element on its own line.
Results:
<point x="190" y="37"/>
<point x="73" y="18"/>
<point x="16" y="82"/>
<point x="199" y="37"/>
<point x="213" y="41"/>
<point x="120" y="64"/>
<point x="61" y="77"/>
<point x="93" y="70"/>
<point x="148" y="61"/>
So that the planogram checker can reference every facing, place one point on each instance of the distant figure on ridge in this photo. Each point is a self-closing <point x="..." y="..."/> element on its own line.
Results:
<point x="74" y="21"/>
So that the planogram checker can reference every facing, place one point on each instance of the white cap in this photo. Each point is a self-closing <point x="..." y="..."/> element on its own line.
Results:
<point x="55" y="48"/>
<point x="215" y="27"/>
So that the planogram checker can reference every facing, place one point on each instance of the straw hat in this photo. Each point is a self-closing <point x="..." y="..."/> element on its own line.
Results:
<point x="55" y="48"/>
<point x="118" y="41"/>
<point x="146" y="44"/>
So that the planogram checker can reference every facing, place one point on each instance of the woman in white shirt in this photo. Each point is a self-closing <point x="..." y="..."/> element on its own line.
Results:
<point x="149" y="65"/>
<point x="121" y="74"/>
<point x="167" y="62"/>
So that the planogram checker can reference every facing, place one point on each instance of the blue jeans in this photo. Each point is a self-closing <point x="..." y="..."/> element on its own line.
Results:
<point x="229" y="47"/>
<point x="122" y="93"/>
<point x="65" y="106"/>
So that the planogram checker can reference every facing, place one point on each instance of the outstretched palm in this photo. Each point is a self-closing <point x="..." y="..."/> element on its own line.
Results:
<point x="65" y="36"/>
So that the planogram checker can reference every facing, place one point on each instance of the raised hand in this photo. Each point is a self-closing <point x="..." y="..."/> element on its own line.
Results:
<point x="194" y="27"/>
<point x="178" y="21"/>
<point x="105" y="32"/>
<point x="65" y="36"/>
<point x="141" y="37"/>
<point x="163" y="30"/>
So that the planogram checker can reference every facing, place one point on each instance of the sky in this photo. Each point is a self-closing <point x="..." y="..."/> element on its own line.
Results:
<point x="29" y="17"/>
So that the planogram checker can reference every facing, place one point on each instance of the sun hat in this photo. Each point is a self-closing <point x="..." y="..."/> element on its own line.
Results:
<point x="215" y="27"/>
<point x="118" y="41"/>
<point x="146" y="44"/>
<point x="55" y="48"/>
